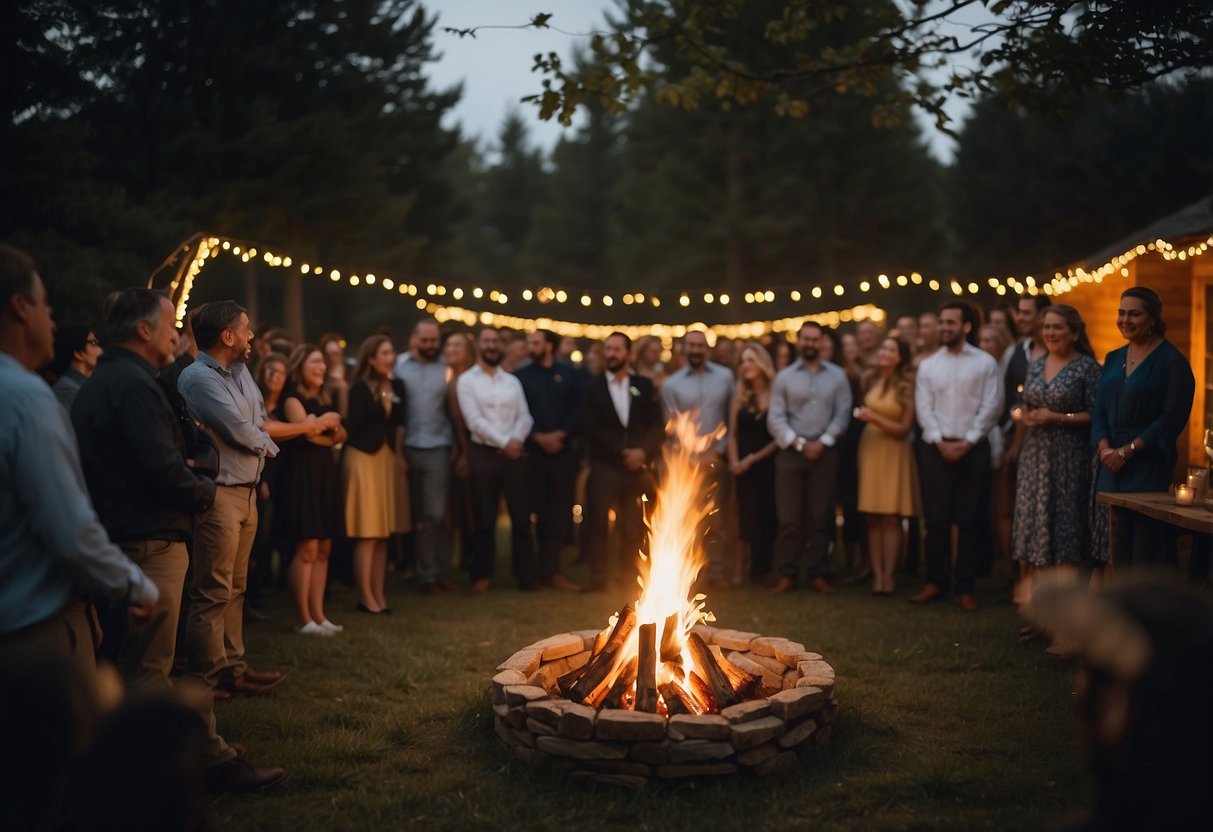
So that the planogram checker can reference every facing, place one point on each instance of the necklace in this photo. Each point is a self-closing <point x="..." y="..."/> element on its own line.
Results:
<point x="1149" y="349"/>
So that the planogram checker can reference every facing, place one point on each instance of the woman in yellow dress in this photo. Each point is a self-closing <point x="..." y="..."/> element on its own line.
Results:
<point x="888" y="489"/>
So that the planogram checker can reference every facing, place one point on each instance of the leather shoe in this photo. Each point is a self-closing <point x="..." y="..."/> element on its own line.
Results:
<point x="364" y="608"/>
<point x="560" y="582"/>
<point x="928" y="593"/>
<point x="238" y="775"/>
<point x="966" y="602"/>
<point x="479" y="587"/>
<point x="783" y="585"/>
<point x="243" y="687"/>
<point x="822" y="585"/>
<point x="265" y="678"/>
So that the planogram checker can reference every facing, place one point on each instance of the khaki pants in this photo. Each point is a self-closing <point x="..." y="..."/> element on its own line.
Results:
<point x="214" y="629"/>
<point x="147" y="651"/>
<point x="66" y="634"/>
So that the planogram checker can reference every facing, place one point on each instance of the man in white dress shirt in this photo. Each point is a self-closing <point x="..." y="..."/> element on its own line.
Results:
<point x="495" y="411"/>
<point x="958" y="400"/>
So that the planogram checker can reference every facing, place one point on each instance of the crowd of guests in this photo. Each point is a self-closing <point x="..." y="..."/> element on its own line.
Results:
<point x="166" y="467"/>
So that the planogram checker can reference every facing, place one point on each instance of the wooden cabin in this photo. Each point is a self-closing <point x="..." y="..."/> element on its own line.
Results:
<point x="1183" y="278"/>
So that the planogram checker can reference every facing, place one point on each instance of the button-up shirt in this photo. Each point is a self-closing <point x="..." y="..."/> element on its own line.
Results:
<point x="710" y="391"/>
<point x="620" y="388"/>
<point x="958" y="395"/>
<point x="52" y="546"/>
<point x="228" y="402"/>
<point x="493" y="406"/>
<point x="810" y="403"/>
<point x="427" y="424"/>
<point x="553" y="397"/>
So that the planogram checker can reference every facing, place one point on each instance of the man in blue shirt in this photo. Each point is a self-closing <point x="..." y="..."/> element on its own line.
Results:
<point x="427" y="448"/>
<point x="809" y="411"/>
<point x="553" y="394"/>
<point x="53" y="549"/>
<point x="220" y="391"/>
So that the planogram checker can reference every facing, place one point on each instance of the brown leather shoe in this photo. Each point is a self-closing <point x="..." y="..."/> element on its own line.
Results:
<point x="822" y="585"/>
<point x="967" y="603"/>
<point x="928" y="593"/>
<point x="238" y="775"/>
<point x="560" y="582"/>
<point x="479" y="587"/>
<point x="783" y="585"/>
<point x="264" y="678"/>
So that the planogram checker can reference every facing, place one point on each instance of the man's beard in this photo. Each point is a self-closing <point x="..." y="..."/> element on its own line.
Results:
<point x="809" y="353"/>
<point x="492" y="358"/>
<point x="953" y="340"/>
<point x="429" y="353"/>
<point x="615" y="365"/>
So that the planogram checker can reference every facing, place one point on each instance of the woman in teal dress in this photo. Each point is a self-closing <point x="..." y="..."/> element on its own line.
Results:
<point x="1145" y="396"/>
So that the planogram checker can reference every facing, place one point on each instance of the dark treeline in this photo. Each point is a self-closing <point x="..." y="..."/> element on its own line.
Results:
<point x="313" y="126"/>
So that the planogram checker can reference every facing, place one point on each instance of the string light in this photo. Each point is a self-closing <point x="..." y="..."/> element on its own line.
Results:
<point x="206" y="248"/>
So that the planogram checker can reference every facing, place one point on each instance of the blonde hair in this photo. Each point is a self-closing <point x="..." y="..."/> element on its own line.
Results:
<point x="745" y="392"/>
<point x="639" y="348"/>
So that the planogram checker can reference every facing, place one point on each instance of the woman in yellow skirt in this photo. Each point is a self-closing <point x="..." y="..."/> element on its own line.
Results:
<point x="888" y="489"/>
<point x="373" y="469"/>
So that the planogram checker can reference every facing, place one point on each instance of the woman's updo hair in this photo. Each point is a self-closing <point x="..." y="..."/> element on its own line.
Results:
<point x="1153" y="305"/>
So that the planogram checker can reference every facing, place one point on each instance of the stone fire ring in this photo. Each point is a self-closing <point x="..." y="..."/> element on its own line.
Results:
<point x="628" y="748"/>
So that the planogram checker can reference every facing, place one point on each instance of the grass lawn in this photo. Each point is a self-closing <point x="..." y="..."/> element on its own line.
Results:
<point x="946" y="721"/>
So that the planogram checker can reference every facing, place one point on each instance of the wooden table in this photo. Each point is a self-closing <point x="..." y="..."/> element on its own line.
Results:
<point x="1161" y="506"/>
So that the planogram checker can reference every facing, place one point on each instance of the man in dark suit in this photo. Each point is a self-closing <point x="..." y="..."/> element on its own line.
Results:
<point x="622" y="425"/>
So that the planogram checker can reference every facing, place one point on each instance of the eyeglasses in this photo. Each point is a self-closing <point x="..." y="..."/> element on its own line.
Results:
<point x="95" y="342"/>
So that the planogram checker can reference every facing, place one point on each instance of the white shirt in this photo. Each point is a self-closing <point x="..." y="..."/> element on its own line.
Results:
<point x="620" y="388"/>
<point x="494" y="407"/>
<point x="958" y="395"/>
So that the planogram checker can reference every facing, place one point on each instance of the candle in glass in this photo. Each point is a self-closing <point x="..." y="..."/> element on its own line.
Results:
<point x="1184" y="495"/>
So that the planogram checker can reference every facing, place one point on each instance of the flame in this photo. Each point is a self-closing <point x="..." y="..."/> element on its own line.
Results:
<point x="676" y="554"/>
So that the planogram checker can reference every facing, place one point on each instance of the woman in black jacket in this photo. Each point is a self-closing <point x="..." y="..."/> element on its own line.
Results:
<point x="376" y="491"/>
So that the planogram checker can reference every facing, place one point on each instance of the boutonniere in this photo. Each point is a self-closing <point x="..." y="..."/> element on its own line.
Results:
<point x="635" y="391"/>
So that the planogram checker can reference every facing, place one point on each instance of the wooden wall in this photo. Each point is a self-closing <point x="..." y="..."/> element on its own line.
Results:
<point x="1182" y="291"/>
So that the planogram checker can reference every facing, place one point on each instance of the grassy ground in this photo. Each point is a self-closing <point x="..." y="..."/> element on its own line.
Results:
<point x="946" y="722"/>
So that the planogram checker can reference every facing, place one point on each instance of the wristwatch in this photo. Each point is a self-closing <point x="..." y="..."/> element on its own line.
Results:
<point x="799" y="443"/>
<point x="1132" y="450"/>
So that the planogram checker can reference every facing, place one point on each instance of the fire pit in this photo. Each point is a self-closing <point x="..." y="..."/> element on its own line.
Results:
<point x="658" y="692"/>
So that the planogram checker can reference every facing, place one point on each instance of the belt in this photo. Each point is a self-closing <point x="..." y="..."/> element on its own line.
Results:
<point x="238" y="484"/>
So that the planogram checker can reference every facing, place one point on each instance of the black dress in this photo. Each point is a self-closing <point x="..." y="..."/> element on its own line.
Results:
<point x="756" y="492"/>
<point x="308" y="502"/>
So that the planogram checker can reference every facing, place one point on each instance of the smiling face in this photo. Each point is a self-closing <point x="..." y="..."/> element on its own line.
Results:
<point x="808" y="342"/>
<point x="536" y="347"/>
<point x="239" y="338"/>
<point x="1134" y="320"/>
<point x="697" y="349"/>
<point x="313" y="370"/>
<point x="748" y="367"/>
<point x="1025" y="317"/>
<point x="273" y="377"/>
<point x="1057" y="335"/>
<point x="488" y="344"/>
<point x="456" y="353"/>
<point x="888" y="354"/>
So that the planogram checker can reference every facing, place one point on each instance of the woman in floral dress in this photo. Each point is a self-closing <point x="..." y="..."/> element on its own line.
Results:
<point x="1056" y="463"/>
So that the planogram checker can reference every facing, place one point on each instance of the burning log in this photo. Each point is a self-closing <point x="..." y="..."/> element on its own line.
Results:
<point x="600" y="641"/>
<point x="670" y="650"/>
<point x="646" y="669"/>
<point x="616" y="696"/>
<point x="678" y="700"/>
<point x="703" y="693"/>
<point x="744" y="683"/>
<point x="718" y="680"/>
<point x="578" y="685"/>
